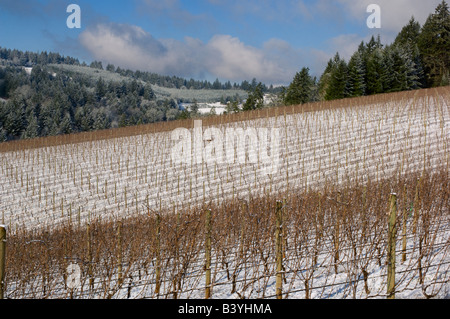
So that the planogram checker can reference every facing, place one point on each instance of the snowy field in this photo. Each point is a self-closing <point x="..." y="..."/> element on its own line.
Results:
<point x="46" y="187"/>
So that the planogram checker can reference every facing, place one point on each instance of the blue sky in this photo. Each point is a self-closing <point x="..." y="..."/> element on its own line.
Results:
<point x="206" y="39"/>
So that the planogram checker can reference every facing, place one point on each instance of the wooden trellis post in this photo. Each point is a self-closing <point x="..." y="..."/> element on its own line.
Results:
<point x="89" y="255"/>
<point x="119" y="253"/>
<point x="337" y="235"/>
<point x="416" y="206"/>
<point x="208" y="231"/>
<point x="158" y="255"/>
<point x="405" y="215"/>
<point x="2" y="260"/>
<point x="279" y="249"/>
<point x="391" y="247"/>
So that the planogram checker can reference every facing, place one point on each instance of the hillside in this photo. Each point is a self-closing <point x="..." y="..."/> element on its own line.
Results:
<point x="178" y="94"/>
<point x="61" y="96"/>
<point x="358" y="142"/>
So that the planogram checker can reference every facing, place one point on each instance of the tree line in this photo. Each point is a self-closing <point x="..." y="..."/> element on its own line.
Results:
<point x="49" y="103"/>
<point x="418" y="58"/>
<point x="45" y="103"/>
<point x="16" y="57"/>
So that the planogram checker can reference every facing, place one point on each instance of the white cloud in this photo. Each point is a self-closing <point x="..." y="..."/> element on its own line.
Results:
<point x="131" y="47"/>
<point x="291" y="59"/>
<point x="223" y="56"/>
<point x="346" y="44"/>
<point x="232" y="59"/>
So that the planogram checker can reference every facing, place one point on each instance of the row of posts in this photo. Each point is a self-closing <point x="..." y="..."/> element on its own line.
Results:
<point x="278" y="248"/>
<point x="392" y="235"/>
<point x="2" y="260"/>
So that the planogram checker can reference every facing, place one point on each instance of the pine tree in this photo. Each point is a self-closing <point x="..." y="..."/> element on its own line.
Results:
<point x="299" y="91"/>
<point x="14" y="118"/>
<point x="65" y="126"/>
<point x="408" y="42"/>
<point x="100" y="89"/>
<point x="324" y="80"/>
<point x="390" y="75"/>
<point x="255" y="99"/>
<point x="338" y="82"/>
<point x="32" y="130"/>
<point x="373" y="45"/>
<point x="217" y="85"/>
<point x="357" y="75"/>
<point x="111" y="68"/>
<point x="409" y="35"/>
<point x="3" y="135"/>
<point x="411" y="70"/>
<point x="376" y="72"/>
<point x="434" y="45"/>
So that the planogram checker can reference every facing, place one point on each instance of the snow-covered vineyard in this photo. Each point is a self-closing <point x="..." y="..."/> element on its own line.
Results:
<point x="44" y="188"/>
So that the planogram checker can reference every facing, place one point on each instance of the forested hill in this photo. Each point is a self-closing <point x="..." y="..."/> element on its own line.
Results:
<point x="45" y="94"/>
<point x="14" y="57"/>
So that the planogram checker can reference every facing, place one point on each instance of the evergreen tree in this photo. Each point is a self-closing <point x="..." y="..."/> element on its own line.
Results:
<point x="408" y="41"/>
<point x="357" y="75"/>
<point x="299" y="91"/>
<point x="3" y="134"/>
<point x="376" y="71"/>
<point x="405" y="69"/>
<point x="65" y="126"/>
<point x="100" y="120"/>
<point x="14" y="118"/>
<point x="409" y="35"/>
<point x="373" y="45"/>
<point x="149" y="94"/>
<point x="95" y="65"/>
<point x="32" y="130"/>
<point x="217" y="85"/>
<point x="100" y="89"/>
<point x="324" y="81"/>
<point x="194" y="108"/>
<point x="338" y="82"/>
<point x="255" y="98"/>
<point x="111" y="68"/>
<point x="434" y="45"/>
<point x="172" y="114"/>
<point x="232" y="107"/>
<point x="390" y="75"/>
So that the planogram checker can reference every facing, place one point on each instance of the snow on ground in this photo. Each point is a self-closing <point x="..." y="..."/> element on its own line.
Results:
<point x="47" y="186"/>
<point x="219" y="108"/>
<point x="206" y="108"/>
<point x="255" y="278"/>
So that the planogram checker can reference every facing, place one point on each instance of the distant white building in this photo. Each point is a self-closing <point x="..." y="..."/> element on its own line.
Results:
<point x="28" y="70"/>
